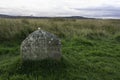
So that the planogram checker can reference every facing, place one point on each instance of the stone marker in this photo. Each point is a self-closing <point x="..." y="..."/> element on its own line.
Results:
<point x="41" y="45"/>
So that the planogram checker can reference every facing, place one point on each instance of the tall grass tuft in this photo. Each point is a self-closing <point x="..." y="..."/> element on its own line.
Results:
<point x="18" y="29"/>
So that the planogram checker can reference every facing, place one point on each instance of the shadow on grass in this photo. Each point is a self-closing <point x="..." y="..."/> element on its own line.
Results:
<point x="43" y="68"/>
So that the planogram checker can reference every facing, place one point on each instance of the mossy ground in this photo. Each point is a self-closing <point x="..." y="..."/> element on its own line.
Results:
<point x="87" y="55"/>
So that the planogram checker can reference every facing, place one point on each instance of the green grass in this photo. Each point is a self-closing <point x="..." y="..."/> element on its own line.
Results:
<point x="90" y="50"/>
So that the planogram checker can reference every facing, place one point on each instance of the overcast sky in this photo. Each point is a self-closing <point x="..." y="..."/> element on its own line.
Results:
<point x="87" y="8"/>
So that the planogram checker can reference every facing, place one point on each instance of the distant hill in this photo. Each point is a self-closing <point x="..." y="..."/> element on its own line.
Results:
<point x="37" y="17"/>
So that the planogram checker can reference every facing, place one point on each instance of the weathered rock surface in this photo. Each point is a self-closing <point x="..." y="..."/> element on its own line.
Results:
<point x="41" y="45"/>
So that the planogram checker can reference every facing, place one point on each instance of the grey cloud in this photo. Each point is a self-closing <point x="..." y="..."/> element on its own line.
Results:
<point x="104" y="8"/>
<point x="102" y="11"/>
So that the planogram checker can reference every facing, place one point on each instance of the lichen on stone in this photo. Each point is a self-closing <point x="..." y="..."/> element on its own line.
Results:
<point x="41" y="45"/>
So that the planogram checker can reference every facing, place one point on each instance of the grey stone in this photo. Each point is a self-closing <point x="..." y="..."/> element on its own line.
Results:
<point x="41" y="45"/>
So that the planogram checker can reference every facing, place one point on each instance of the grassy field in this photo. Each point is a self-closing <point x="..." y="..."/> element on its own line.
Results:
<point x="90" y="49"/>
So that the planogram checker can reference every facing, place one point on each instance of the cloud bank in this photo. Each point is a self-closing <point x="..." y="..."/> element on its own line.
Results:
<point x="87" y="8"/>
